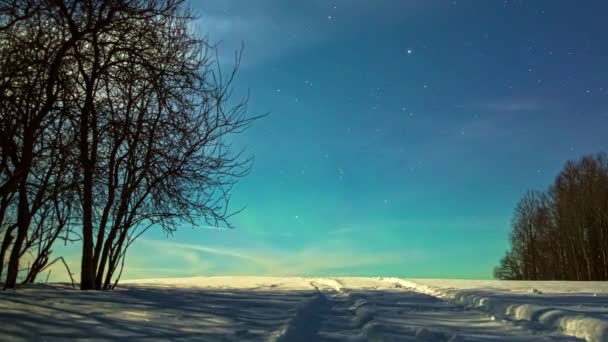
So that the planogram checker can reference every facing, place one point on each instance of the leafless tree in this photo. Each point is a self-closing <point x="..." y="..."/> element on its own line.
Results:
<point x="563" y="233"/>
<point x="509" y="268"/>
<point x="116" y="116"/>
<point x="30" y="83"/>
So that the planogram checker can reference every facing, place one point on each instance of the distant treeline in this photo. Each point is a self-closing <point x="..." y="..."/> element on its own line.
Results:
<point x="562" y="233"/>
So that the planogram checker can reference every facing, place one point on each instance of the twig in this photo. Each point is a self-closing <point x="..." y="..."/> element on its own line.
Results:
<point x="66" y="267"/>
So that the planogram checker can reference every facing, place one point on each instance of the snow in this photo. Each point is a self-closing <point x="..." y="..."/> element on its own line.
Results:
<point x="309" y="309"/>
<point x="520" y="286"/>
<point x="577" y="309"/>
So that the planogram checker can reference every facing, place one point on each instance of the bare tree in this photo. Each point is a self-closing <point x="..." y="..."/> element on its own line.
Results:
<point x="563" y="233"/>
<point x="31" y="55"/>
<point x="114" y="118"/>
<point x="509" y="268"/>
<point x="152" y="115"/>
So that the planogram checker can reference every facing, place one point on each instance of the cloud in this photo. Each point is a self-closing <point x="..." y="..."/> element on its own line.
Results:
<point x="343" y="231"/>
<point x="327" y="258"/>
<point x="272" y="29"/>
<point x="266" y="33"/>
<point x="512" y="105"/>
<point x="166" y="246"/>
<point x="219" y="229"/>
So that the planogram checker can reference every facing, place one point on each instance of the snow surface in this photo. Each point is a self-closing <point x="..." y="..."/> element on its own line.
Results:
<point x="576" y="308"/>
<point x="309" y="309"/>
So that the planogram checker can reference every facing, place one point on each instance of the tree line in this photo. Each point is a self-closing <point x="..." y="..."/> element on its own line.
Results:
<point x="562" y="233"/>
<point x="114" y="118"/>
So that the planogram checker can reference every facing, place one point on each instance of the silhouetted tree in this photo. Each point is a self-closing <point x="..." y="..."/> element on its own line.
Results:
<point x="509" y="268"/>
<point x="563" y="233"/>
<point x="32" y="50"/>
<point x="114" y="118"/>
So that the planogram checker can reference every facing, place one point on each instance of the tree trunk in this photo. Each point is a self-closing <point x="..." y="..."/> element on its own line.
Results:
<point x="8" y="239"/>
<point x="23" y="215"/>
<point x="23" y="222"/>
<point x="87" y="269"/>
<point x="104" y="258"/>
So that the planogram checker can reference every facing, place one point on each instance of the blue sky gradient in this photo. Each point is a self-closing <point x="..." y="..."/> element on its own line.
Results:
<point x="400" y="135"/>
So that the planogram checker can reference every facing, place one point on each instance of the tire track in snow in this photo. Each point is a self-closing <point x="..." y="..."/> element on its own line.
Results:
<point x="332" y="313"/>
<point x="349" y="316"/>
<point x="305" y="323"/>
<point x="380" y="310"/>
<point x="569" y="323"/>
<point x="335" y="284"/>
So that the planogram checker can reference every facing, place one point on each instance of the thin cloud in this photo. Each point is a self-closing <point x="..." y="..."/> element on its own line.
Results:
<point x="343" y="231"/>
<point x="512" y="105"/>
<point x="272" y="29"/>
<point x="271" y="262"/>
<point x="169" y="245"/>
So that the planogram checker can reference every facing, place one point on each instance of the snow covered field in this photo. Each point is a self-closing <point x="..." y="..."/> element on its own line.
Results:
<point x="310" y="309"/>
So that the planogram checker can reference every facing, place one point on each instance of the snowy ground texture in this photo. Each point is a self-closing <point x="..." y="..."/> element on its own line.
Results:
<point x="310" y="309"/>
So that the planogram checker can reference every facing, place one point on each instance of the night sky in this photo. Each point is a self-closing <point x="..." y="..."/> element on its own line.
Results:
<point x="400" y="133"/>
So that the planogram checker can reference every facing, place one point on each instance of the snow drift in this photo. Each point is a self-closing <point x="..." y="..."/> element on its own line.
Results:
<point x="570" y="322"/>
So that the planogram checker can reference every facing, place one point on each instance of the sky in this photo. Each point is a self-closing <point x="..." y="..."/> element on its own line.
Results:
<point x="400" y="133"/>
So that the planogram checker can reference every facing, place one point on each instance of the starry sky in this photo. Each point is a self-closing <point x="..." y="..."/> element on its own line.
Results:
<point x="400" y="133"/>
